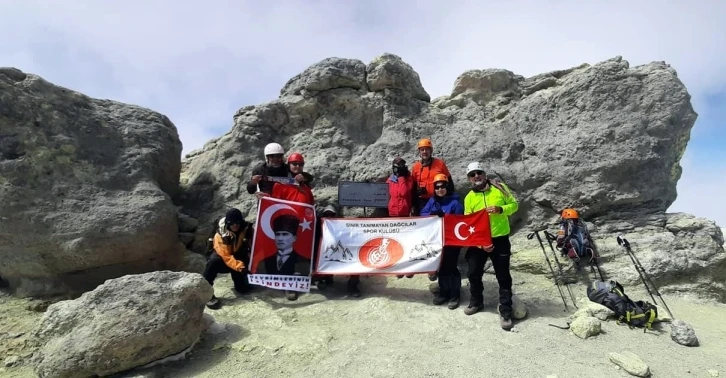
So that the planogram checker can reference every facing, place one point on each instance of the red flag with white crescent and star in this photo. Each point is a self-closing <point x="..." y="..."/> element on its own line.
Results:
<point x="283" y="228"/>
<point x="471" y="230"/>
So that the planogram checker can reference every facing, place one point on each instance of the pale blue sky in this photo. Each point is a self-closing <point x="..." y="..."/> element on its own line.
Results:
<point x="198" y="62"/>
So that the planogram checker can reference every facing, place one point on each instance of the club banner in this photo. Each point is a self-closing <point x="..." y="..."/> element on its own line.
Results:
<point x="283" y="245"/>
<point x="380" y="245"/>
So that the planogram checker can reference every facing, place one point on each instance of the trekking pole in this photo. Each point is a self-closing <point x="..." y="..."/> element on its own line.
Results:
<point x="554" y="276"/>
<point x="594" y="261"/>
<point x="623" y="242"/>
<point x="551" y="238"/>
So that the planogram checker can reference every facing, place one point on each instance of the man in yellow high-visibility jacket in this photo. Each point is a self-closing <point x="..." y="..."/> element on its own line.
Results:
<point x="496" y="199"/>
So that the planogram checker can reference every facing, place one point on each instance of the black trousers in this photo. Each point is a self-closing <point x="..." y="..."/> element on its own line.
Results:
<point x="215" y="266"/>
<point x="449" y="274"/>
<point x="500" y="256"/>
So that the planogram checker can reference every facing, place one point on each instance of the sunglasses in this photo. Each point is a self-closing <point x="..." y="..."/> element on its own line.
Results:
<point x="472" y="174"/>
<point x="295" y="163"/>
<point x="275" y="156"/>
<point x="437" y="187"/>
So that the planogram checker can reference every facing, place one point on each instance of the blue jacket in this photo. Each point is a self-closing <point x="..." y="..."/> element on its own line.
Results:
<point x="450" y="204"/>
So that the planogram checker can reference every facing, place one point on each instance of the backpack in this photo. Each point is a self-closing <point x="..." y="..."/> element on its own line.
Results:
<point x="218" y="227"/>
<point x="612" y="295"/>
<point x="577" y="240"/>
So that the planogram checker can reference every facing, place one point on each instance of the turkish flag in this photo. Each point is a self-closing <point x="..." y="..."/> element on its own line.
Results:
<point x="471" y="230"/>
<point x="284" y="237"/>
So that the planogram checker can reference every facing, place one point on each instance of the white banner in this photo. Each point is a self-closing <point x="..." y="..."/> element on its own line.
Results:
<point x="380" y="245"/>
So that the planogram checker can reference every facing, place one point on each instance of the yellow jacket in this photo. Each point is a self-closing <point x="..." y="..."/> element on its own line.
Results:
<point x="493" y="196"/>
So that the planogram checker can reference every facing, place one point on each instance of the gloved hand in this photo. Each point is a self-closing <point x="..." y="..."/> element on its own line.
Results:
<point x="439" y="212"/>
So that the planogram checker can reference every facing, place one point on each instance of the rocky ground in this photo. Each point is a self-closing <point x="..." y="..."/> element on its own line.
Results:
<point x="393" y="330"/>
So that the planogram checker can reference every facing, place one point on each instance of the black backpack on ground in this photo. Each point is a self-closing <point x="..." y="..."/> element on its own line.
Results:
<point x="633" y="313"/>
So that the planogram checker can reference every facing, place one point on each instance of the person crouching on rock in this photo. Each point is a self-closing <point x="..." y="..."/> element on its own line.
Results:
<point x="231" y="253"/>
<point x="496" y="199"/>
<point x="449" y="276"/>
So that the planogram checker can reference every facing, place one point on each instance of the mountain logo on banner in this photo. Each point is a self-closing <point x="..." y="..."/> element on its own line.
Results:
<point x="380" y="253"/>
<point x="338" y="253"/>
<point x="423" y="251"/>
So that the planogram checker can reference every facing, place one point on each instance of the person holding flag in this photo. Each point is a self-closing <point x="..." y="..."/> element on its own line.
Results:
<point x="498" y="202"/>
<point x="449" y="276"/>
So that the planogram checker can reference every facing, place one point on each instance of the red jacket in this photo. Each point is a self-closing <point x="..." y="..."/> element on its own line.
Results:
<point x="296" y="193"/>
<point x="401" y="196"/>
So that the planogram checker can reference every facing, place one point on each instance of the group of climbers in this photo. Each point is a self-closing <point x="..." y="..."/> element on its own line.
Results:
<point x="426" y="189"/>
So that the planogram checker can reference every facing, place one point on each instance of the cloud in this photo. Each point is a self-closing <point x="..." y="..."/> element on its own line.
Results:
<point x="198" y="62"/>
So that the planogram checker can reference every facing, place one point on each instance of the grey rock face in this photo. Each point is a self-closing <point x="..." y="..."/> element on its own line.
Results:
<point x="389" y="71"/>
<point x="85" y="187"/>
<point x="605" y="138"/>
<point x="125" y="323"/>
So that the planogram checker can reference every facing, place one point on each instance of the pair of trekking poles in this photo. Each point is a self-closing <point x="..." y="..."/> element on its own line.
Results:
<point x="647" y="281"/>
<point x="550" y="239"/>
<point x="623" y="242"/>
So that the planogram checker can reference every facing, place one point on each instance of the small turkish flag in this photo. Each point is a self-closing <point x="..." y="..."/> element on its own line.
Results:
<point x="284" y="236"/>
<point x="471" y="230"/>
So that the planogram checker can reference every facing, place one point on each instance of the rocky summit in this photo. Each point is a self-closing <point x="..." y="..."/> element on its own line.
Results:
<point x="604" y="138"/>
<point x="88" y="187"/>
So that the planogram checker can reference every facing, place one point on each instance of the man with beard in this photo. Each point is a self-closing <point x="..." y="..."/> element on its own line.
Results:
<point x="273" y="166"/>
<point x="496" y="199"/>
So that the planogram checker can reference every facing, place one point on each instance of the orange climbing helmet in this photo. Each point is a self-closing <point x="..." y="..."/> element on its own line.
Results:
<point x="425" y="143"/>
<point x="440" y="177"/>
<point x="570" y="214"/>
<point x="296" y="158"/>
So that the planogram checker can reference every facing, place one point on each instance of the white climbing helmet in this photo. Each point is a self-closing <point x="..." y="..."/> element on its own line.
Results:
<point x="474" y="166"/>
<point x="273" y="149"/>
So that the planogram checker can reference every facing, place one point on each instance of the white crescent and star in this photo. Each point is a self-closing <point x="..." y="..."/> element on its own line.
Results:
<point x="458" y="226"/>
<point x="266" y="219"/>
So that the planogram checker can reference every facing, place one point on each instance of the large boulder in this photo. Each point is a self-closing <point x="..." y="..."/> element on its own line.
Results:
<point x="605" y="138"/>
<point x="85" y="187"/>
<point x="124" y="323"/>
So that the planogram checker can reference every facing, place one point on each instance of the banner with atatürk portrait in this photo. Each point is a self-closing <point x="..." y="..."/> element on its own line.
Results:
<point x="283" y="245"/>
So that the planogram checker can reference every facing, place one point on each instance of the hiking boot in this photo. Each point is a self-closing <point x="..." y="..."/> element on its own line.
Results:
<point x="213" y="303"/>
<point x="440" y="299"/>
<point x="433" y="277"/>
<point x="291" y="295"/>
<point x="453" y="303"/>
<point x="434" y="287"/>
<point x="409" y="276"/>
<point x="506" y="323"/>
<point x="399" y="276"/>
<point x="473" y="308"/>
<point x="322" y="285"/>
